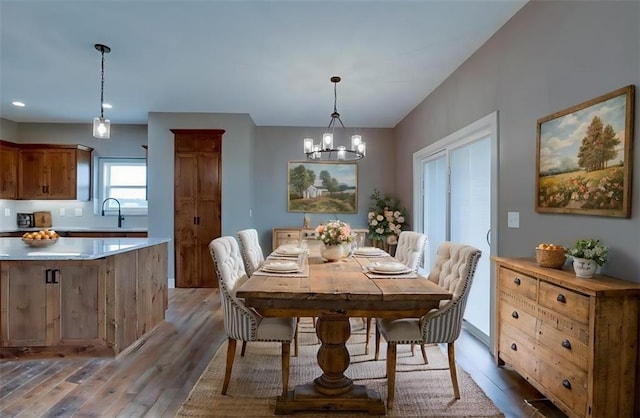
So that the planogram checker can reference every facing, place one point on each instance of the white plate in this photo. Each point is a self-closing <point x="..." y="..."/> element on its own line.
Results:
<point x="368" y="251"/>
<point x="284" y="266"/>
<point x="389" y="267"/>
<point x="375" y="270"/>
<point x="291" y="250"/>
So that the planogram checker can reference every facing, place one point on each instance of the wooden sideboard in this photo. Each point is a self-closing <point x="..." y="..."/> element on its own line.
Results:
<point x="575" y="340"/>
<point x="293" y="235"/>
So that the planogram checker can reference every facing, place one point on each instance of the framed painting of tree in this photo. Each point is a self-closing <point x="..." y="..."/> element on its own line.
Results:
<point x="322" y="187"/>
<point x="584" y="158"/>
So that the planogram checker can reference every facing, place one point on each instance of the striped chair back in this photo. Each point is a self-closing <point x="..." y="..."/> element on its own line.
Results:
<point x="454" y="270"/>
<point x="240" y="322"/>
<point x="252" y="254"/>
<point x="410" y="248"/>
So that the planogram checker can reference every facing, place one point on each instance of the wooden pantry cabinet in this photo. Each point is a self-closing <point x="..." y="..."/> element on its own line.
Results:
<point x="197" y="204"/>
<point x="575" y="340"/>
<point x="54" y="172"/>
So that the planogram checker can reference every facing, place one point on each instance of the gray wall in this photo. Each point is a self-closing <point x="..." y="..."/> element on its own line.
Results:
<point x="275" y="146"/>
<point x="550" y="56"/>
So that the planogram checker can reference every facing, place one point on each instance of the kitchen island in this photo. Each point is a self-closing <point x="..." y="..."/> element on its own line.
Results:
<point x="80" y="296"/>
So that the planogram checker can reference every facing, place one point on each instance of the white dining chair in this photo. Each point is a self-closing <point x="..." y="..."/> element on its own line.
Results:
<point x="454" y="269"/>
<point x="240" y="322"/>
<point x="408" y="252"/>
<point x="252" y="254"/>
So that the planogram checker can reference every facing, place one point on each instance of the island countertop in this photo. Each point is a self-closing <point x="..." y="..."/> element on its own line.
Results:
<point x="73" y="248"/>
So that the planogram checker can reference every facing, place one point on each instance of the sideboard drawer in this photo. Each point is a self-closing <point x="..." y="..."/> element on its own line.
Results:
<point x="564" y="301"/>
<point x="518" y="283"/>
<point x="568" y="385"/>
<point x="564" y="345"/>
<point x="518" y="318"/>
<point x="518" y="351"/>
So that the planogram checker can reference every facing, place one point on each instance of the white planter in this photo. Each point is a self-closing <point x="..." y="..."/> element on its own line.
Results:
<point x="584" y="268"/>
<point x="332" y="252"/>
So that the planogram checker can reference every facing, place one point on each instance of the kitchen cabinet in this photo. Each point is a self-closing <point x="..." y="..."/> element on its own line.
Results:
<point x="575" y="340"/>
<point x="54" y="172"/>
<point x="99" y="303"/>
<point x="51" y="303"/>
<point x="197" y="204"/>
<point x="8" y="170"/>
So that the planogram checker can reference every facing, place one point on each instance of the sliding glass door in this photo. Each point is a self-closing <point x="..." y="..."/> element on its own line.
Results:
<point x="456" y="189"/>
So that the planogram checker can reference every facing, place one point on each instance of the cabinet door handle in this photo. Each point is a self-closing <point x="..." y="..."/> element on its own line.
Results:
<point x="514" y="347"/>
<point x="561" y="298"/>
<point x="54" y="275"/>
<point x="566" y="344"/>
<point x="47" y="278"/>
<point x="198" y="220"/>
<point x="566" y="384"/>
<point x="517" y="281"/>
<point x="515" y="314"/>
<point x="43" y="189"/>
<point x="194" y="220"/>
<point x="47" y="189"/>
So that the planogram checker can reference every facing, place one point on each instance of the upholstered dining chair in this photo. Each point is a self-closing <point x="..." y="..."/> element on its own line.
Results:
<point x="454" y="269"/>
<point x="252" y="254"/>
<point x="408" y="252"/>
<point x="240" y="322"/>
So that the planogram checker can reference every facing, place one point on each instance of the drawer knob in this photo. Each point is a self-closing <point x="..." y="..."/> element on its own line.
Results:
<point x="515" y="314"/>
<point x="566" y="384"/>
<point x="566" y="344"/>
<point x="517" y="281"/>
<point x="561" y="298"/>
<point x="514" y="347"/>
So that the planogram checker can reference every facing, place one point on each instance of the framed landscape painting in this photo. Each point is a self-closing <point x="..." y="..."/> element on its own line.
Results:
<point x="584" y="158"/>
<point x="322" y="187"/>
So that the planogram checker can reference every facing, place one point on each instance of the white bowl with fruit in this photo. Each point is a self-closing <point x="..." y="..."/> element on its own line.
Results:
<point x="551" y="255"/>
<point x="42" y="238"/>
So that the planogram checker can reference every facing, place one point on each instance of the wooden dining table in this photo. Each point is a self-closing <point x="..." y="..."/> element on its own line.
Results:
<point x="333" y="292"/>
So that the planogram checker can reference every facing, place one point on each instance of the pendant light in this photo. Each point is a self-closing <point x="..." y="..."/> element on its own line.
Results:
<point x="102" y="126"/>
<point x="325" y="151"/>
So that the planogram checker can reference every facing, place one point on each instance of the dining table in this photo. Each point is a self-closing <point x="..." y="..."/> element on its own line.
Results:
<point x="333" y="292"/>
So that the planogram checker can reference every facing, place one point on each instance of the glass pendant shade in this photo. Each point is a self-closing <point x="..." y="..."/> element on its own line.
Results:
<point x="101" y="128"/>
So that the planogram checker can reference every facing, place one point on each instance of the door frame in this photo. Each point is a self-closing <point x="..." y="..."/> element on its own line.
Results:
<point x="485" y="126"/>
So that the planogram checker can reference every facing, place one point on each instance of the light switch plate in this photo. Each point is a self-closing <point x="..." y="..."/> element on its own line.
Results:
<point x="78" y="211"/>
<point x="61" y="211"/>
<point x="513" y="219"/>
<point x="7" y="212"/>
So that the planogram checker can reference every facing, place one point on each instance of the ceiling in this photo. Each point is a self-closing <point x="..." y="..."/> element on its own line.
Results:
<point x="271" y="59"/>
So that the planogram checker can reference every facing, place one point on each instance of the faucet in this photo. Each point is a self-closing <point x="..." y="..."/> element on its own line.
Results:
<point x="120" y="217"/>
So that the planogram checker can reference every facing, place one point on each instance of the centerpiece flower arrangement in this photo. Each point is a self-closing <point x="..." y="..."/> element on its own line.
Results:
<point x="386" y="218"/>
<point x="590" y="249"/>
<point x="334" y="233"/>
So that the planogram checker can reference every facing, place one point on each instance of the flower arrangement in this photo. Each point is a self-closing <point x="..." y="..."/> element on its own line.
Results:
<point x="591" y="250"/>
<point x="386" y="218"/>
<point x="334" y="233"/>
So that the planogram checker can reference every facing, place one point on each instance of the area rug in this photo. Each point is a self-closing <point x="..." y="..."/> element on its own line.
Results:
<point x="421" y="390"/>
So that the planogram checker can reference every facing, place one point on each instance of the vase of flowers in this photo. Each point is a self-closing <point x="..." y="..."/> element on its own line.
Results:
<point x="386" y="218"/>
<point x="587" y="255"/>
<point x="334" y="235"/>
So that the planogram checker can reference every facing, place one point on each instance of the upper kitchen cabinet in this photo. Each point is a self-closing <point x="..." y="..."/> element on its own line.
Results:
<point x="8" y="170"/>
<point x="51" y="172"/>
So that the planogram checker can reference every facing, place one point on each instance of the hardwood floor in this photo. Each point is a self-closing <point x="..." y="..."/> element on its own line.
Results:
<point x="156" y="376"/>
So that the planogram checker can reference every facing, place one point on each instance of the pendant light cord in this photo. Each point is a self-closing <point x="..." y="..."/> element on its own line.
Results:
<point x="102" y="87"/>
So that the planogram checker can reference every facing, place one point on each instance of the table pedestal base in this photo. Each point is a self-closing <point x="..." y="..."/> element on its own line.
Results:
<point x="306" y="398"/>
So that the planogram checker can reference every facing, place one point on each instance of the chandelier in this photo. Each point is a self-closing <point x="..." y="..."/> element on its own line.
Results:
<point x="102" y="126"/>
<point x="325" y="150"/>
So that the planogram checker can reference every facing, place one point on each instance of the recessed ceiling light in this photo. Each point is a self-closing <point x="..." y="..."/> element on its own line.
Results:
<point x="106" y="106"/>
<point x="18" y="104"/>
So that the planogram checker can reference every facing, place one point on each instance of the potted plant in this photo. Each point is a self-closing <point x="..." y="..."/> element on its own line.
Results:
<point x="587" y="255"/>
<point x="386" y="218"/>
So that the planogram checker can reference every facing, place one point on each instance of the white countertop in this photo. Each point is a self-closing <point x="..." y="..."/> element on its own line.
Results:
<point x="74" y="248"/>
<point x="76" y="229"/>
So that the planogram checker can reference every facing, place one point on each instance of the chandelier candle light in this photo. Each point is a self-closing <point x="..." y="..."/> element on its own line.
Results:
<point x="102" y="126"/>
<point x="325" y="151"/>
